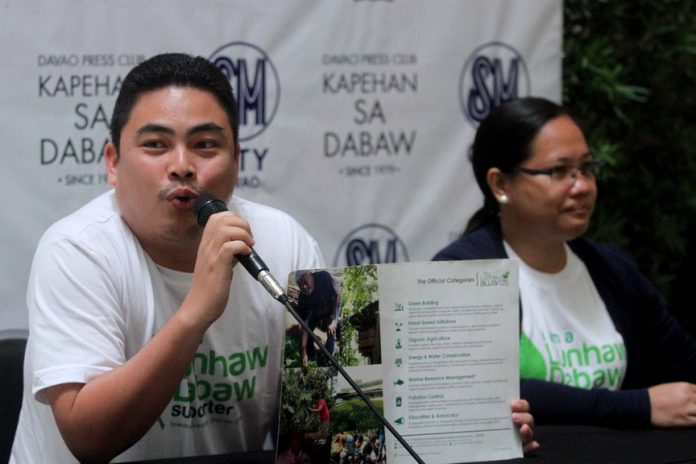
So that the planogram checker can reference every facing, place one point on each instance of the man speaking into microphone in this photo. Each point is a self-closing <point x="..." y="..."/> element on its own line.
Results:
<point x="146" y="341"/>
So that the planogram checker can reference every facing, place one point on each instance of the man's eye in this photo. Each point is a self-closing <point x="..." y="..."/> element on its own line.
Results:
<point x="206" y="144"/>
<point x="153" y="144"/>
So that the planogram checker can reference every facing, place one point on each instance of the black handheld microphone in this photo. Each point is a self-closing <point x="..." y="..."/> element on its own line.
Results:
<point x="205" y="206"/>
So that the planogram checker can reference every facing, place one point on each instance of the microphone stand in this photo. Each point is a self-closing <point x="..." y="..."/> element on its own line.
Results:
<point x="283" y="298"/>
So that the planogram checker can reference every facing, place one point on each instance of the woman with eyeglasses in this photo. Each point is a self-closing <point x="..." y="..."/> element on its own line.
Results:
<point x="597" y="346"/>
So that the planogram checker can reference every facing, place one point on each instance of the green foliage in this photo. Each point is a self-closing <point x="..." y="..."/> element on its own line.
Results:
<point x="298" y="389"/>
<point x="359" y="289"/>
<point x="348" y="354"/>
<point x="356" y="416"/>
<point x="630" y="78"/>
<point x="292" y="351"/>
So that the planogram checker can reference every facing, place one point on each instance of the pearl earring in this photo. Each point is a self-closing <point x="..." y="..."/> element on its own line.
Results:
<point x="503" y="198"/>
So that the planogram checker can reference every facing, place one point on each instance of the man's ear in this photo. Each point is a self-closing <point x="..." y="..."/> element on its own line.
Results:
<point x="111" y="162"/>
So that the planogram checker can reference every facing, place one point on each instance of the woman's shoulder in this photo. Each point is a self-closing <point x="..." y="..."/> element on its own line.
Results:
<point x="608" y="254"/>
<point x="610" y="264"/>
<point x="483" y="243"/>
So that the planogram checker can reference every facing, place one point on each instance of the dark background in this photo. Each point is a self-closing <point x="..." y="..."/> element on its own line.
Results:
<point x="629" y="77"/>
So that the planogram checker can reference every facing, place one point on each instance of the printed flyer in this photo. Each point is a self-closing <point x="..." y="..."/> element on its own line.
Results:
<point x="433" y="345"/>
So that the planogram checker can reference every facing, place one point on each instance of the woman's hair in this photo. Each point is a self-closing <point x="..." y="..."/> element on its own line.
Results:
<point x="504" y="140"/>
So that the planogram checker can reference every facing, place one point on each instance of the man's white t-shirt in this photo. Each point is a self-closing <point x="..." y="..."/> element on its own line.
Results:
<point x="96" y="298"/>
<point x="567" y="334"/>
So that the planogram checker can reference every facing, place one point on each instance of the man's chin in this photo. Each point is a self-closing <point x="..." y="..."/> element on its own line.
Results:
<point x="182" y="232"/>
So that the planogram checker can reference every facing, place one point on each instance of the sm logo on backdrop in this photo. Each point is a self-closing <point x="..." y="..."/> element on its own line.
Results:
<point x="493" y="74"/>
<point x="255" y="83"/>
<point x="370" y="244"/>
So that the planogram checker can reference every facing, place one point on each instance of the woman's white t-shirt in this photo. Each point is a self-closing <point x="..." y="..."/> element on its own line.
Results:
<point x="567" y="334"/>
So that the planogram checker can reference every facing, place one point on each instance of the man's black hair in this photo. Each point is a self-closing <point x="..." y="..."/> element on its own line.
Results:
<point x="177" y="69"/>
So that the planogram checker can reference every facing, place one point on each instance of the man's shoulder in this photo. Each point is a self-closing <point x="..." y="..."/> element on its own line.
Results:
<point x="91" y="222"/>
<point x="265" y="219"/>
<point x="278" y="234"/>
<point x="253" y="211"/>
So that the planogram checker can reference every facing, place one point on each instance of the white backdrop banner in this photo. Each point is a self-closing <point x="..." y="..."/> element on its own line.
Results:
<point x="356" y="115"/>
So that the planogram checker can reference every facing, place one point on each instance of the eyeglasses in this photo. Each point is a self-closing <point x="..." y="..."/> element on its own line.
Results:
<point x="588" y="169"/>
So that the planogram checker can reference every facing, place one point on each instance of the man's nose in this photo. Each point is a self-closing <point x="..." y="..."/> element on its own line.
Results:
<point x="181" y="165"/>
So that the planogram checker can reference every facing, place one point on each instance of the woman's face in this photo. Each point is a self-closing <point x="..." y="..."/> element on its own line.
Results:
<point x="546" y="207"/>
